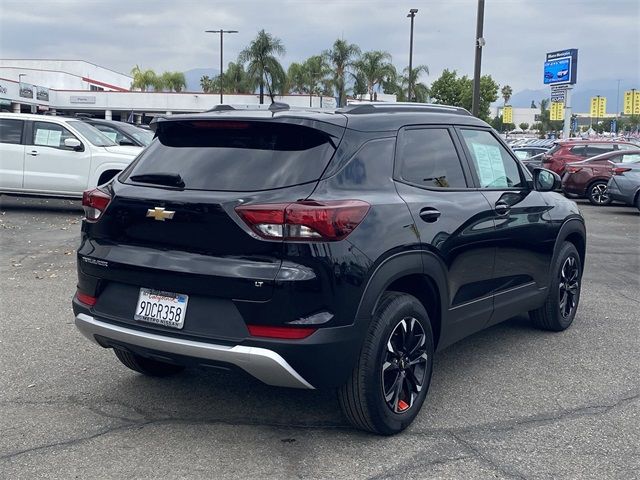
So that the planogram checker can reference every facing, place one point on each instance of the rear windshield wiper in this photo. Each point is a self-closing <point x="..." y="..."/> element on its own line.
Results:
<point x="169" y="179"/>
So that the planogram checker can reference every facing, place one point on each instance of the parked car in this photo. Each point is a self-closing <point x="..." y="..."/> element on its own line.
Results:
<point x="533" y="162"/>
<point x="324" y="250"/>
<point x="567" y="151"/>
<point x="589" y="178"/>
<point x="624" y="184"/>
<point x="56" y="156"/>
<point x="121" y="133"/>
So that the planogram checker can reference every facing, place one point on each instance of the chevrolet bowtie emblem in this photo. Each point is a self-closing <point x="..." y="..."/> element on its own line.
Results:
<point x="160" y="214"/>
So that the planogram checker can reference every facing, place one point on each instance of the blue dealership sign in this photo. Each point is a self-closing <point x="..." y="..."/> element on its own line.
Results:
<point x="561" y="67"/>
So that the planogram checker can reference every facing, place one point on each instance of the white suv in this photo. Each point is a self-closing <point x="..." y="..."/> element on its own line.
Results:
<point x="56" y="156"/>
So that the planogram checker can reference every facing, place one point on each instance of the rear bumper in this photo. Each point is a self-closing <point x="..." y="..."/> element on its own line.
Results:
<point x="263" y="364"/>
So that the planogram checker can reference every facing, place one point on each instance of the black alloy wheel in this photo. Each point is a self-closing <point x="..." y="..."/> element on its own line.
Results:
<point x="404" y="367"/>
<point x="569" y="286"/>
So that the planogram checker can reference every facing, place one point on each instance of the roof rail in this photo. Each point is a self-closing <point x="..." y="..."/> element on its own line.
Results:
<point x="364" y="108"/>
<point x="277" y="106"/>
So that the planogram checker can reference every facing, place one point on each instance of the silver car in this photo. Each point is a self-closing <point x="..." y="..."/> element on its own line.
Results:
<point x="624" y="184"/>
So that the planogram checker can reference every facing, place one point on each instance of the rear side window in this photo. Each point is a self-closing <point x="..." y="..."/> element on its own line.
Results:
<point x="11" y="130"/>
<point x="429" y="158"/>
<point x="597" y="149"/>
<point x="237" y="155"/>
<point x="580" y="150"/>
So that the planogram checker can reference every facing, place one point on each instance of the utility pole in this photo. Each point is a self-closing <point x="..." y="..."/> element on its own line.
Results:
<point x="412" y="14"/>
<point x="221" y="32"/>
<point x="475" y="105"/>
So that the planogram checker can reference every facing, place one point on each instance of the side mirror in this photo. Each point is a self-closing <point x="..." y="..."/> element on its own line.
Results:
<point x="73" y="143"/>
<point x="127" y="142"/>
<point x="545" y="180"/>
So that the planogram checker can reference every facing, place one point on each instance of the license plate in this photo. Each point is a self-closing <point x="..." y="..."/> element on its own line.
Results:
<point x="162" y="308"/>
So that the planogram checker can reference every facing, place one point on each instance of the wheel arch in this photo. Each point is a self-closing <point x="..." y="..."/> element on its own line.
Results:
<point x="415" y="272"/>
<point x="573" y="231"/>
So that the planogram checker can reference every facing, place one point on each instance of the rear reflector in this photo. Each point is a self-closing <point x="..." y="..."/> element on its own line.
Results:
<point x="290" y="333"/>
<point x="86" y="299"/>
<point x="95" y="203"/>
<point x="305" y="220"/>
<point x="621" y="170"/>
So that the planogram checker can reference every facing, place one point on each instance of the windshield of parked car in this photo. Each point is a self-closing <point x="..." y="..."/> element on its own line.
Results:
<point x="143" y="136"/>
<point x="95" y="136"/>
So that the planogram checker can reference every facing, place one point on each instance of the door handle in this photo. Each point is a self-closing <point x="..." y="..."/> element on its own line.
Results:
<point x="429" y="215"/>
<point x="502" y="208"/>
<point x="33" y="153"/>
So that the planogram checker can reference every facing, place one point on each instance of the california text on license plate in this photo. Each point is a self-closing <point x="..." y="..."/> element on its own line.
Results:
<point x="162" y="308"/>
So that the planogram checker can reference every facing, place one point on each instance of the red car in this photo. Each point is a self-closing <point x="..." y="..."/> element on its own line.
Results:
<point x="567" y="151"/>
<point x="589" y="178"/>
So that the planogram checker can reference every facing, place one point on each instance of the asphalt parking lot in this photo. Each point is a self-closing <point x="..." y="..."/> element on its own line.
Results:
<point x="509" y="402"/>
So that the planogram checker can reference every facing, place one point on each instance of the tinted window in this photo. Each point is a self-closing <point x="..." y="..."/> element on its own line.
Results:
<point x="10" y="130"/>
<point x="237" y="156"/>
<point x="492" y="162"/>
<point x="597" y="149"/>
<point x="624" y="146"/>
<point x="47" y="134"/>
<point x="428" y="157"/>
<point x="579" y="150"/>
<point x="111" y="133"/>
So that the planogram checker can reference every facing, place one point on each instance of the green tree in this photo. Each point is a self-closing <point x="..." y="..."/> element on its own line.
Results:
<point x="506" y="93"/>
<point x="208" y="84"/>
<point x="316" y="70"/>
<point x="374" y="68"/>
<point x="261" y="60"/>
<point x="399" y="85"/>
<point x="341" y="59"/>
<point x="172" y="81"/>
<point x="450" y="89"/>
<point x="236" y="80"/>
<point x="144" y="79"/>
<point x="524" y="126"/>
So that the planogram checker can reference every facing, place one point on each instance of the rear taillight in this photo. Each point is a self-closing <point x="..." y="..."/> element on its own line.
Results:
<point x="86" y="299"/>
<point x="573" y="169"/>
<point x="289" y="333"/>
<point x="620" y="170"/>
<point x="305" y="220"/>
<point x="95" y="203"/>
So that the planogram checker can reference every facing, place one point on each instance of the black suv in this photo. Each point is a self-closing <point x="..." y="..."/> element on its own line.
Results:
<point x="317" y="249"/>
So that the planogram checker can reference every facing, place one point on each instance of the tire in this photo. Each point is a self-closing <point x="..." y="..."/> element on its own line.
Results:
<point x="597" y="194"/>
<point x="390" y="358"/>
<point x="146" y="366"/>
<point x="561" y="304"/>
<point x="638" y="201"/>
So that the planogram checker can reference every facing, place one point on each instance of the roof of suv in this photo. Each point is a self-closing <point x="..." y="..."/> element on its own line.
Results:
<point x="363" y="116"/>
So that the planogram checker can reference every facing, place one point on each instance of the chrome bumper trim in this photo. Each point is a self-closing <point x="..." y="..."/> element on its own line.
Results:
<point x="263" y="364"/>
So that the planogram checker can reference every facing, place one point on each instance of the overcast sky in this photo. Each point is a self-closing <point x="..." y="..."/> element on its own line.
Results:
<point x="168" y="34"/>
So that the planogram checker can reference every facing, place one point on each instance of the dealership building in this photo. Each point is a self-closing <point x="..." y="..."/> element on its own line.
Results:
<point x="70" y="87"/>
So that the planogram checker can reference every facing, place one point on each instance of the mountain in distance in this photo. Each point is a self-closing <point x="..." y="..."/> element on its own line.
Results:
<point x="581" y="94"/>
<point x="194" y="75"/>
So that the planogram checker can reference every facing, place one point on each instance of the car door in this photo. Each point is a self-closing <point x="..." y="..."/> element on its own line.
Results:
<point x="453" y="222"/>
<point x="52" y="167"/>
<point x="523" y="238"/>
<point x="11" y="153"/>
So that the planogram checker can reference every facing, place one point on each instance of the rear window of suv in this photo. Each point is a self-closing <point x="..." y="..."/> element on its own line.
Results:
<point x="236" y="155"/>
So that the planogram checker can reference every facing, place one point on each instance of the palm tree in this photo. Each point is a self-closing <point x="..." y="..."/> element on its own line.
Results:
<point x="316" y="71"/>
<point x="143" y="79"/>
<point x="235" y="79"/>
<point x="262" y="65"/>
<point x="374" y="68"/>
<point x="172" y="81"/>
<point x="341" y="57"/>
<point x="296" y="81"/>
<point x="506" y="92"/>
<point x="420" y="90"/>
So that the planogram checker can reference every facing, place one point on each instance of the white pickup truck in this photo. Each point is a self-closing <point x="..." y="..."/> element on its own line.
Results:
<point x="56" y="156"/>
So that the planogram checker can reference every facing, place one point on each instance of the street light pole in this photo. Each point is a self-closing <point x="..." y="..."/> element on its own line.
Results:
<point x="221" y="32"/>
<point x="475" y="105"/>
<point x="412" y="14"/>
